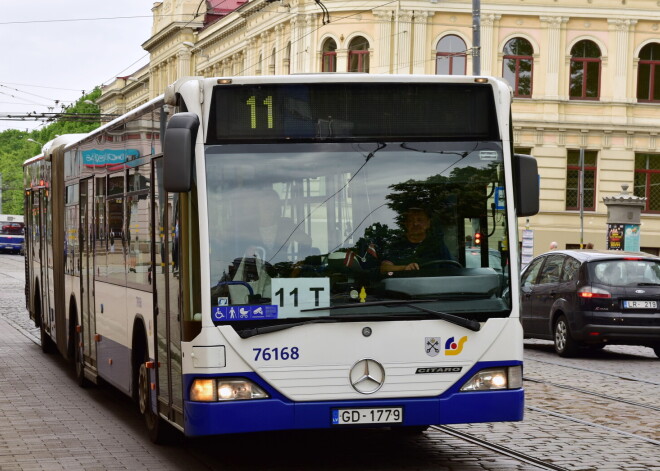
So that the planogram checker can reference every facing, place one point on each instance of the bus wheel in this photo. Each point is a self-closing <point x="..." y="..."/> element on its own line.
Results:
<point x="47" y="345"/>
<point x="78" y="360"/>
<point x="157" y="428"/>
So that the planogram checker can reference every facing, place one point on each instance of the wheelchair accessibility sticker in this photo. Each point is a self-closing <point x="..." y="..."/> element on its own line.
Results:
<point x="244" y="313"/>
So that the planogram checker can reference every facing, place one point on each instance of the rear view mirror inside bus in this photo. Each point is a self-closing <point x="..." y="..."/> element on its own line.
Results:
<point x="180" y="138"/>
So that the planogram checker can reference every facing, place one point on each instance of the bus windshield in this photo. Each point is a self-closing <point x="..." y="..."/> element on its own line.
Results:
<point x="311" y="230"/>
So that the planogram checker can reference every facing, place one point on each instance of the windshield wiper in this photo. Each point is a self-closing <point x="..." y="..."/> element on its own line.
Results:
<point x="247" y="333"/>
<point x="460" y="321"/>
<point x="648" y="284"/>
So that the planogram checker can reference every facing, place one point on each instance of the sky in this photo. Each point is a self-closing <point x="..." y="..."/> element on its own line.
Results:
<point x="52" y="50"/>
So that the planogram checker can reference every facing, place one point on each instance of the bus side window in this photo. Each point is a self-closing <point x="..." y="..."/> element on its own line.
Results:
<point x="138" y="232"/>
<point x="115" y="214"/>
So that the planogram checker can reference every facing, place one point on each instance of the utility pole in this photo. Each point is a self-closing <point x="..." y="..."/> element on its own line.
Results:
<point x="581" y="196"/>
<point x="476" y="37"/>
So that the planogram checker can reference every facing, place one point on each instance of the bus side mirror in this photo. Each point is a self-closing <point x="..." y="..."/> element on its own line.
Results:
<point x="526" y="184"/>
<point x="179" y="151"/>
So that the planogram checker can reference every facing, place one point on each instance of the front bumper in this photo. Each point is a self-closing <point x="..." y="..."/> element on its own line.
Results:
<point x="279" y="413"/>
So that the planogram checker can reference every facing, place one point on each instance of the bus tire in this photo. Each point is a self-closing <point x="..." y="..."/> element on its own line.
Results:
<point x="158" y="430"/>
<point x="47" y="345"/>
<point x="77" y="357"/>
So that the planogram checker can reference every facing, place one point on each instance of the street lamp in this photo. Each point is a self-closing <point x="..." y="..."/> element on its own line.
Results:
<point x="36" y="142"/>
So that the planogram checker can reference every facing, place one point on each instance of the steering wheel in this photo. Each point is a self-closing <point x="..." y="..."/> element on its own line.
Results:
<point x="441" y="262"/>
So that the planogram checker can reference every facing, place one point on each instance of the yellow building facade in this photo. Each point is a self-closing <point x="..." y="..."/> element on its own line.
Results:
<point x="585" y="76"/>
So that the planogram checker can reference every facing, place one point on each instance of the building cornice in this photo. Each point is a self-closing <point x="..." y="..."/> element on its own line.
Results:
<point x="168" y="32"/>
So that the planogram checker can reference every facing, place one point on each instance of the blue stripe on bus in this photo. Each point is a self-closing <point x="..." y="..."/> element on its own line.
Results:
<point x="279" y="413"/>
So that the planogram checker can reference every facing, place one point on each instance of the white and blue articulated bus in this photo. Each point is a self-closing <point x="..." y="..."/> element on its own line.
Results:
<point x="298" y="252"/>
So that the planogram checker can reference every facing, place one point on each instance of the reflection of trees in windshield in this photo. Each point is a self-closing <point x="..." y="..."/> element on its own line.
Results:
<point x="444" y="199"/>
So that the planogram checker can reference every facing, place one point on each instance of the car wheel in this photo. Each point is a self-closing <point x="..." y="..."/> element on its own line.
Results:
<point x="565" y="346"/>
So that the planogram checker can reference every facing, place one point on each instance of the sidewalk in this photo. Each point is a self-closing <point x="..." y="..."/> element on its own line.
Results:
<point x="49" y="423"/>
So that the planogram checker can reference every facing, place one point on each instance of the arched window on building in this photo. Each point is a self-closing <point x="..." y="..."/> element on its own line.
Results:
<point x="451" y="56"/>
<point x="585" y="71"/>
<point x="518" y="65"/>
<point x="648" y="73"/>
<point x="329" y="57"/>
<point x="358" y="55"/>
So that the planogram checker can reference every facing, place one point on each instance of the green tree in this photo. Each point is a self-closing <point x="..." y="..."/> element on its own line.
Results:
<point x="81" y="117"/>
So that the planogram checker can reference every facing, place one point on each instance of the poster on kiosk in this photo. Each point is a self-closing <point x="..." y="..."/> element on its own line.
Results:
<point x="615" y="235"/>
<point x="623" y="237"/>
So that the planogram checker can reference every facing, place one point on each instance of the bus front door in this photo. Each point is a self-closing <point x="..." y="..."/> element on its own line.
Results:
<point x="167" y="299"/>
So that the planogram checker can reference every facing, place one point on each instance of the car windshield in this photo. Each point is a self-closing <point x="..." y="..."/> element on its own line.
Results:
<point x="625" y="272"/>
<point x="314" y="230"/>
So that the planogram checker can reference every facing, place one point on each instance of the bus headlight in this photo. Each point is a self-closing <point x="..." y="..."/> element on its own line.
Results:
<point x="225" y="389"/>
<point x="506" y="377"/>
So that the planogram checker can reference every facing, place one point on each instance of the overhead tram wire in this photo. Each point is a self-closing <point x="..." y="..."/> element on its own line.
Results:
<point x="49" y="117"/>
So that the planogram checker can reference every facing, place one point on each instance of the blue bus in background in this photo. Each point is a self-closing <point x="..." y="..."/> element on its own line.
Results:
<point x="12" y="233"/>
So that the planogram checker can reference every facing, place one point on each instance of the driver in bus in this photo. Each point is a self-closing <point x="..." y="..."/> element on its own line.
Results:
<point x="421" y="244"/>
<point x="272" y="241"/>
<point x="274" y="232"/>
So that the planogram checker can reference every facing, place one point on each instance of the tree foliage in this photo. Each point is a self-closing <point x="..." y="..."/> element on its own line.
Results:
<point x="16" y="149"/>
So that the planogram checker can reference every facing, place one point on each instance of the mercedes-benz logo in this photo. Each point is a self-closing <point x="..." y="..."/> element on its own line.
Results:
<point x="367" y="376"/>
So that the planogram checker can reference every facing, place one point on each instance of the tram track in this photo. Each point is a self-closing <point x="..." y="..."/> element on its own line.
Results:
<point x="593" y="424"/>
<point x="502" y="450"/>
<point x="590" y="370"/>
<point x="595" y="394"/>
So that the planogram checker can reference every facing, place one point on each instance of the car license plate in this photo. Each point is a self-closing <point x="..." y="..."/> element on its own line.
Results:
<point x="640" y="304"/>
<point x="379" y="415"/>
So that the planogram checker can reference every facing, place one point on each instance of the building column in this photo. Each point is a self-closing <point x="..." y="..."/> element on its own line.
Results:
<point x="183" y="63"/>
<point x="383" y="42"/>
<point x="296" y="46"/>
<point x="279" y="49"/>
<point x="489" y="25"/>
<point x="620" y="48"/>
<point x="402" y="42"/>
<point x="555" y="51"/>
<point x="420" y="46"/>
<point x="250" y="59"/>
